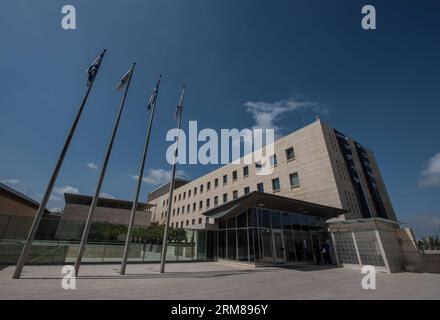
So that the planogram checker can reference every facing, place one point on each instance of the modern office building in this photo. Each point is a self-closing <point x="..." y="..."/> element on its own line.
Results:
<point x="324" y="187"/>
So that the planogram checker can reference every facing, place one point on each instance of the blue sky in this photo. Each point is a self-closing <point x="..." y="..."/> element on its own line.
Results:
<point x="381" y="87"/>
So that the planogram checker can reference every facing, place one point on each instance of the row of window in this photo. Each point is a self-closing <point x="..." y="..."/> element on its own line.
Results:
<point x="186" y="223"/>
<point x="276" y="186"/>
<point x="290" y="155"/>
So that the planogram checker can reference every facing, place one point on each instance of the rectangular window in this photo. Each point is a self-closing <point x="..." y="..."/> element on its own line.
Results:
<point x="234" y="175"/>
<point x="189" y="193"/>
<point x="276" y="184"/>
<point x="175" y="198"/>
<point x="180" y="196"/>
<point x="258" y="166"/>
<point x="187" y="222"/>
<point x="208" y="185"/>
<point x="260" y="187"/>
<point x="178" y="211"/>
<point x="181" y="224"/>
<point x="194" y="206"/>
<point x="273" y="160"/>
<point x="200" y="220"/>
<point x="247" y="190"/>
<point x="215" y="200"/>
<point x="188" y="208"/>
<point x="183" y="209"/>
<point x="225" y="179"/>
<point x="174" y="212"/>
<point x="208" y="203"/>
<point x="201" y="188"/>
<point x="294" y="180"/>
<point x="195" y="191"/>
<point x="216" y="183"/>
<point x="225" y="197"/>
<point x="200" y="205"/>
<point x="193" y="221"/>
<point x="184" y="195"/>
<point x="235" y="194"/>
<point x="290" y="154"/>
<point x="246" y="171"/>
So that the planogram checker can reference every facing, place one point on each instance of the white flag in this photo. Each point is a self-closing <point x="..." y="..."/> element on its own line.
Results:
<point x="124" y="80"/>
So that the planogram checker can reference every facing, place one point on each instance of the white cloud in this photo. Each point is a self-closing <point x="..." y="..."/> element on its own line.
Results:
<point x="160" y="176"/>
<point x="267" y="114"/>
<point x="10" y="181"/>
<point x="106" y="195"/>
<point x="67" y="189"/>
<point x="430" y="176"/>
<point x="92" y="166"/>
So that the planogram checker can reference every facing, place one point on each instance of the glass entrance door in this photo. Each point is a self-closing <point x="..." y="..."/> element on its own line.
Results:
<point x="278" y="247"/>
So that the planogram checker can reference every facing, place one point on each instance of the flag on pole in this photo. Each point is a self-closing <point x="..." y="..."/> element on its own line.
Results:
<point x="124" y="79"/>
<point x="153" y="97"/>
<point x="178" y="112"/>
<point x="94" y="67"/>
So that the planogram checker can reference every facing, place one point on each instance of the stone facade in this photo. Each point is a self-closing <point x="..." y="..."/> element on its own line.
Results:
<point x="318" y="162"/>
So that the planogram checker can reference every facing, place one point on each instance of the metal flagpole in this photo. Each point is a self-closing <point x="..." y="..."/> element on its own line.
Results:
<point x="152" y="107"/>
<point x="86" y="231"/>
<point x="173" y="175"/>
<point x="93" y="71"/>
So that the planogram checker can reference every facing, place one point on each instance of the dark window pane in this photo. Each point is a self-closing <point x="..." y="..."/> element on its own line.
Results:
<point x="256" y="244"/>
<point x="232" y="223"/>
<point x="264" y="218"/>
<point x="232" y="244"/>
<point x="251" y="245"/>
<point x="222" y="224"/>
<point x="241" y="220"/>
<point x="222" y="244"/>
<point x="289" y="245"/>
<point x="286" y="221"/>
<point x="276" y="220"/>
<point x="242" y="245"/>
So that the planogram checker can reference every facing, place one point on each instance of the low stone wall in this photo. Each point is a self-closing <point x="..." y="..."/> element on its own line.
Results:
<point x="415" y="259"/>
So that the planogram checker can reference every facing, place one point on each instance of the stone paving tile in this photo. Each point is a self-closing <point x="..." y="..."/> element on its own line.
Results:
<point x="214" y="281"/>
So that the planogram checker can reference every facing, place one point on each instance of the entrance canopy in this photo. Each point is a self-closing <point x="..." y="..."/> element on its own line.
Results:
<point x="274" y="202"/>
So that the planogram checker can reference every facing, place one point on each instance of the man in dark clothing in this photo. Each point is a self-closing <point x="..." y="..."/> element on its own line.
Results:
<point x="326" y="253"/>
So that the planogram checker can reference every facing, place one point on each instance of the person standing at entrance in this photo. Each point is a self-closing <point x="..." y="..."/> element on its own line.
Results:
<point x="326" y="253"/>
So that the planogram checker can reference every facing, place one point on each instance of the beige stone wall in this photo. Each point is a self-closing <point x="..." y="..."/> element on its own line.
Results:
<point x="77" y="212"/>
<point x="312" y="163"/>
<point x="15" y="208"/>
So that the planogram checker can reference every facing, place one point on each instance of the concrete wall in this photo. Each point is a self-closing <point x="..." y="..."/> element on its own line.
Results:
<point x="9" y="206"/>
<point x="416" y="260"/>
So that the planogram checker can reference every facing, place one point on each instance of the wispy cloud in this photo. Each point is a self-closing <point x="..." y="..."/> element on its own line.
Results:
<point x="424" y="224"/>
<point x="92" y="166"/>
<point x="67" y="189"/>
<point x="106" y="195"/>
<point x="268" y="114"/>
<point x="430" y="176"/>
<point x="160" y="176"/>
<point x="10" y="181"/>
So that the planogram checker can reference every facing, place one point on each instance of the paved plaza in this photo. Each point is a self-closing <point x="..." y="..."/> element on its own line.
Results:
<point x="214" y="280"/>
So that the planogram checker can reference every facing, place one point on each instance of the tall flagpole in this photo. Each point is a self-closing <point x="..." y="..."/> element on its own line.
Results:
<point x="173" y="175"/>
<point x="93" y="71"/>
<point x="86" y="231"/>
<point x="152" y="107"/>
